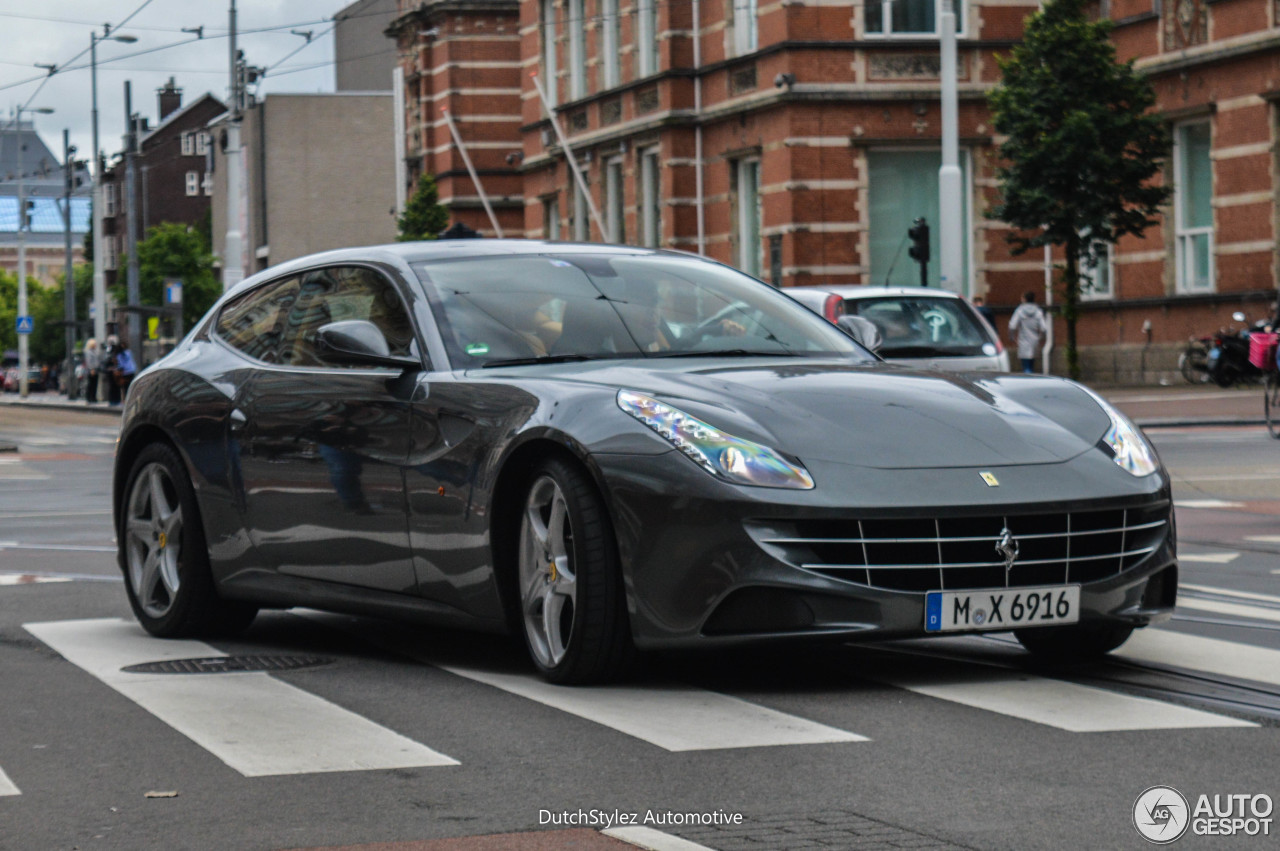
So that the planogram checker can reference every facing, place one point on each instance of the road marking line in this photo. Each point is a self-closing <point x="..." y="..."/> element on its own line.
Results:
<point x="256" y="724"/>
<point x="1222" y="607"/>
<point x="1263" y="539"/>
<point x="1197" y="653"/>
<point x="672" y="716"/>
<point x="24" y="515"/>
<point x="1247" y="595"/>
<point x="653" y="840"/>
<point x="1056" y="703"/>
<point x="7" y="786"/>
<point x="29" y="578"/>
<point x="1240" y="477"/>
<point x="70" y="548"/>
<point x="1209" y="558"/>
<point x="1206" y="503"/>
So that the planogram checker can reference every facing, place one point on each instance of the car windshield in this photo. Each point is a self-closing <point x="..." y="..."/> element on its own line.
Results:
<point x="530" y="308"/>
<point x="923" y="326"/>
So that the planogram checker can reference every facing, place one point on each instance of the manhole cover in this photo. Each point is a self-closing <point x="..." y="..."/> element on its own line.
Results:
<point x="228" y="665"/>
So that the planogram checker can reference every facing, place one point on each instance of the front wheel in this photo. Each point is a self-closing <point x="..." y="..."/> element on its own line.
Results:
<point x="572" y="603"/>
<point x="166" y="564"/>
<point x="1271" y="403"/>
<point x="1078" y="642"/>
<point x="1194" y="363"/>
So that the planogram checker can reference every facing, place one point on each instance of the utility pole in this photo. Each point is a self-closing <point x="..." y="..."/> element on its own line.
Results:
<point x="68" y="284"/>
<point x="233" y="247"/>
<point x="950" y="190"/>
<point x="133" y="294"/>
<point x="24" y="339"/>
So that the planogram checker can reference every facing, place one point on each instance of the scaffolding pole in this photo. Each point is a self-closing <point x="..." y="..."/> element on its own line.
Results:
<point x="569" y="157"/>
<point x="471" y="170"/>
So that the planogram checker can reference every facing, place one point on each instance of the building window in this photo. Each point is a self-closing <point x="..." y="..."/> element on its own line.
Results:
<point x="908" y="17"/>
<point x="1096" y="273"/>
<point x="650" y="196"/>
<point x="746" y="179"/>
<point x="202" y="144"/>
<point x="1193" y="207"/>
<point x="614" y="202"/>
<point x="207" y="183"/>
<point x="581" y="222"/>
<point x="188" y="144"/>
<point x="577" y="24"/>
<point x="902" y="187"/>
<point x="610" y="62"/>
<point x="193" y="183"/>
<point x="551" y="218"/>
<point x="549" y="49"/>
<point x="108" y="200"/>
<point x="109" y="252"/>
<point x="745" y="38"/>
<point x="646" y="37"/>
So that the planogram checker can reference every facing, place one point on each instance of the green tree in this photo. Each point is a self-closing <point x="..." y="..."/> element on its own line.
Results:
<point x="424" y="216"/>
<point x="8" y="310"/>
<point x="1082" y="145"/>
<point x="173" y="250"/>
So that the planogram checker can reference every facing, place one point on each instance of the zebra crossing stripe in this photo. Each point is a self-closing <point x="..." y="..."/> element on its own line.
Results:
<point x="1056" y="703"/>
<point x="7" y="786"/>
<point x="1197" y="653"/>
<point x="254" y="723"/>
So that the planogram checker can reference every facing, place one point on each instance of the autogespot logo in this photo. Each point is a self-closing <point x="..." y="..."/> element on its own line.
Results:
<point x="1161" y="814"/>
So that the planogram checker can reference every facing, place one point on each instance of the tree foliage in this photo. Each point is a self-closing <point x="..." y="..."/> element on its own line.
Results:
<point x="174" y="250"/>
<point x="424" y="216"/>
<point x="1082" y="146"/>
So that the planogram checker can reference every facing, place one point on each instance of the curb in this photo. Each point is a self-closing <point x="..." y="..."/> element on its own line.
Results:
<point x="63" y="406"/>
<point x="1185" y="422"/>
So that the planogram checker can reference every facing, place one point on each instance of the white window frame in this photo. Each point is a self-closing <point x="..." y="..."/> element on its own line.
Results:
<point x="577" y="26"/>
<point x="193" y="183"/>
<point x="646" y="37"/>
<point x="551" y="218"/>
<point x="746" y="30"/>
<point x="188" y="144"/>
<point x="581" y="214"/>
<point x="202" y="144"/>
<point x="549" y="50"/>
<point x="109" y="252"/>
<point x="108" y="200"/>
<point x="615" y="216"/>
<point x="650" y="196"/>
<point x="206" y="183"/>
<point x="610" y="30"/>
<point x="886" y="20"/>
<point x="750" y="249"/>
<point x="1184" y="236"/>
<point x="1106" y="265"/>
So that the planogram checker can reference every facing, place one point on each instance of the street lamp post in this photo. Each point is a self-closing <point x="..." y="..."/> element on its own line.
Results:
<point x="99" y="273"/>
<point x="24" y="349"/>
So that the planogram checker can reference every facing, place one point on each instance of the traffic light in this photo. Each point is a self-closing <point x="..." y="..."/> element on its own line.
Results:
<point x="919" y="235"/>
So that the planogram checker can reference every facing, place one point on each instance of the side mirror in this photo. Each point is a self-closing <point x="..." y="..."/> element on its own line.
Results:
<point x="359" y="342"/>
<point x="861" y="329"/>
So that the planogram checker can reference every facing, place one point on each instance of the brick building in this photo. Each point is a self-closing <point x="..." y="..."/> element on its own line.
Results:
<point x="797" y="140"/>
<point x="172" y="183"/>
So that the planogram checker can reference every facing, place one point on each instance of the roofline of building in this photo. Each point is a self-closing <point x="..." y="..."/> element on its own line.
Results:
<point x="178" y="113"/>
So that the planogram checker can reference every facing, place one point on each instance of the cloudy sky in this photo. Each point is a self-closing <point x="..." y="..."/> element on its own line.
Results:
<point x="58" y="33"/>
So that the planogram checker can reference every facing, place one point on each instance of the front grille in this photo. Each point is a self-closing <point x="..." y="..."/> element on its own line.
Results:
<point x="957" y="553"/>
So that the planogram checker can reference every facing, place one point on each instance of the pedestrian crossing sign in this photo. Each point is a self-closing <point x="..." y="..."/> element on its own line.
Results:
<point x="25" y="325"/>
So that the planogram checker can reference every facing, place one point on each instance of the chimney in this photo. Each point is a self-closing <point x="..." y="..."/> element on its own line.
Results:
<point x="170" y="99"/>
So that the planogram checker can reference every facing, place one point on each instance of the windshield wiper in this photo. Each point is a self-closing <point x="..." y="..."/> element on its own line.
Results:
<point x="533" y="360"/>
<point x="728" y="353"/>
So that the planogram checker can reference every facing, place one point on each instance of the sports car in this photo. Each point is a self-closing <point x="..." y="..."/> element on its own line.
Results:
<point x="605" y="449"/>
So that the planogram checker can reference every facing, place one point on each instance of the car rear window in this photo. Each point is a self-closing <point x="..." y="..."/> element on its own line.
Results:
<point x="922" y="326"/>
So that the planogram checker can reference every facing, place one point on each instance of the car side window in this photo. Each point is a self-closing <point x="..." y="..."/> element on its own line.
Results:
<point x="254" y="322"/>
<point x="344" y="292"/>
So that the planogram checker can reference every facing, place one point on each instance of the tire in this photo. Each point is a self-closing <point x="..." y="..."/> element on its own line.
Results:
<point x="164" y="556"/>
<point x="569" y="584"/>
<point x="1194" y="364"/>
<point x="1271" y="403"/>
<point x="1078" y="642"/>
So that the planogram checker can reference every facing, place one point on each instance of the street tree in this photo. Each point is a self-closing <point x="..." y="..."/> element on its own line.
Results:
<point x="424" y="216"/>
<point x="173" y="250"/>
<point x="1082" y="147"/>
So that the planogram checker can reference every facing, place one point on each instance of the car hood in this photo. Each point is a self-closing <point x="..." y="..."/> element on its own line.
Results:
<point x="874" y="415"/>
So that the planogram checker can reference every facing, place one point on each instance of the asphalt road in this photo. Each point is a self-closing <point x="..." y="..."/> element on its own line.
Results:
<point x="395" y="734"/>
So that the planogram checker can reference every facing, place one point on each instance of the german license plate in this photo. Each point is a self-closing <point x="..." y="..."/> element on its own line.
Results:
<point x="1001" y="608"/>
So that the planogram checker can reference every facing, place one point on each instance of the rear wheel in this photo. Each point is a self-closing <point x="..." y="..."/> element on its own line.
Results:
<point x="1194" y="363"/>
<point x="1271" y="403"/>
<point x="572" y="603"/>
<point x="1077" y="642"/>
<point x="166" y="563"/>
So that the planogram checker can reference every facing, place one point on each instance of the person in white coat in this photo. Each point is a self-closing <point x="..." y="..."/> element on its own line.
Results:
<point x="1026" y="328"/>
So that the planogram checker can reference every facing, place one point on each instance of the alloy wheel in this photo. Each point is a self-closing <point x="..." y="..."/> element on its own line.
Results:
<point x="153" y="529"/>
<point x="548" y="582"/>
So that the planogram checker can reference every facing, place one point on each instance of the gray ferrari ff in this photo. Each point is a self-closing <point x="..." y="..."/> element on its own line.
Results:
<point x="604" y="448"/>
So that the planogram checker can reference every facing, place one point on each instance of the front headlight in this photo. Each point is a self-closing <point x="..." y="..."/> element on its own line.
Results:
<point x="720" y="454"/>
<point x="1125" y="442"/>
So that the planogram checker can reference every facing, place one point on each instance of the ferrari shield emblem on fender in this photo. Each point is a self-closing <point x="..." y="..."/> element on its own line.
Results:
<point x="990" y="479"/>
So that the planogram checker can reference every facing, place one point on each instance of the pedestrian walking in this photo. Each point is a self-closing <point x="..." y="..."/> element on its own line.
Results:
<point x="124" y="371"/>
<point x="1026" y="328"/>
<point x="980" y="305"/>
<point x="92" y="368"/>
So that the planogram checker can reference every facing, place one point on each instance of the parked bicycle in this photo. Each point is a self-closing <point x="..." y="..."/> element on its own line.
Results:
<point x="1193" y="362"/>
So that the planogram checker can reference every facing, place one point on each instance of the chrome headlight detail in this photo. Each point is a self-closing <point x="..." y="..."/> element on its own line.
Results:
<point x="724" y="456"/>
<point x="1125" y="443"/>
